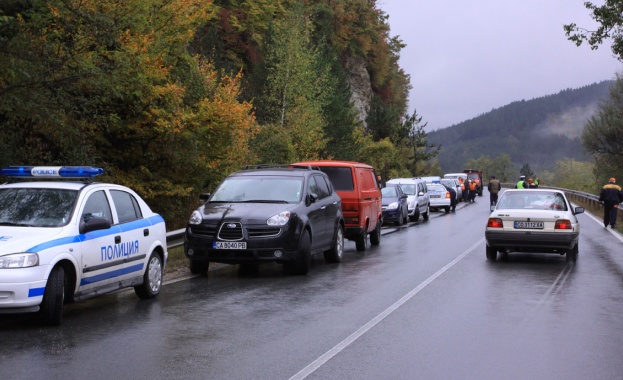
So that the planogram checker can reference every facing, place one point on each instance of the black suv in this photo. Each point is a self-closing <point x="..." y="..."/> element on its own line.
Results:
<point x="265" y="213"/>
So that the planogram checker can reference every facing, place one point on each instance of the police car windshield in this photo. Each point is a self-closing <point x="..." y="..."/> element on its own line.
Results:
<point x="262" y="189"/>
<point x="36" y="207"/>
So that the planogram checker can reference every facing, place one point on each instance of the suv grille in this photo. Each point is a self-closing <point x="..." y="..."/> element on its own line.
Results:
<point x="262" y="232"/>
<point x="230" y="231"/>
<point x="203" y="230"/>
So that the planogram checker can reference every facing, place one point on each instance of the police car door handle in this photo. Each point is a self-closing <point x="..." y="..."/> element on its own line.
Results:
<point x="146" y="232"/>
<point x="117" y="239"/>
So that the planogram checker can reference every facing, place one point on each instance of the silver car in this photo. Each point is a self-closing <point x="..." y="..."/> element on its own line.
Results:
<point x="531" y="220"/>
<point x="417" y="196"/>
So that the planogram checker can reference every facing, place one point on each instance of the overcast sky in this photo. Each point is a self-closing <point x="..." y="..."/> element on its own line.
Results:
<point x="466" y="58"/>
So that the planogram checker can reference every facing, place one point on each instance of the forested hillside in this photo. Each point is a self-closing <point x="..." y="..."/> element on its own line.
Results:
<point x="537" y="132"/>
<point x="170" y="96"/>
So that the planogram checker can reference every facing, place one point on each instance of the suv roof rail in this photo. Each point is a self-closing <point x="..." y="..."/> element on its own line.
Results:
<point x="284" y="166"/>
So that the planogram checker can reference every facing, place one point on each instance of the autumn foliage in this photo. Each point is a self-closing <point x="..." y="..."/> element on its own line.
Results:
<point x="170" y="96"/>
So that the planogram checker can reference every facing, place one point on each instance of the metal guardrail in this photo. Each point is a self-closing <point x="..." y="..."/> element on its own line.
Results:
<point x="176" y="238"/>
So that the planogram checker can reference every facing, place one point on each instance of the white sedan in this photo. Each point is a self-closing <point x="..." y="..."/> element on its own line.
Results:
<point x="439" y="196"/>
<point x="531" y="220"/>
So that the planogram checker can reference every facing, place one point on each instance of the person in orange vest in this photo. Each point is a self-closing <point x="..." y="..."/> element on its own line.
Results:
<point x="472" y="190"/>
<point x="463" y="189"/>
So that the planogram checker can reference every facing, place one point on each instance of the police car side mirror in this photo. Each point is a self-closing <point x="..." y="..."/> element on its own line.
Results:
<point x="94" y="224"/>
<point x="578" y="210"/>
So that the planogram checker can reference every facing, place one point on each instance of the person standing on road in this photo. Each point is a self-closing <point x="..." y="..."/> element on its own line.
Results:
<point x="379" y="179"/>
<point x="472" y="191"/>
<point x="611" y="196"/>
<point x="452" y="198"/>
<point x="522" y="183"/>
<point x="494" y="188"/>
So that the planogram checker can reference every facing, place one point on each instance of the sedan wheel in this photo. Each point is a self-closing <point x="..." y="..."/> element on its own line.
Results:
<point x="492" y="253"/>
<point x="572" y="255"/>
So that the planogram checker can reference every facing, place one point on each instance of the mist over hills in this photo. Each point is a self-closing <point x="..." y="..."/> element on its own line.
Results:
<point x="539" y="131"/>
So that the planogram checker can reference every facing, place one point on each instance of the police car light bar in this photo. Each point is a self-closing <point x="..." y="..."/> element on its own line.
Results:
<point x="51" y="171"/>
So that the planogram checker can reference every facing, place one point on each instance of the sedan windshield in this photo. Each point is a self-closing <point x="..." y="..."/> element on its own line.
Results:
<point x="31" y="207"/>
<point x="260" y="190"/>
<point x="532" y="199"/>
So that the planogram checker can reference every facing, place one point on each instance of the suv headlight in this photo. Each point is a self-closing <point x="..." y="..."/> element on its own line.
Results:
<point x="19" y="260"/>
<point x="279" y="220"/>
<point x="392" y="206"/>
<point x="195" y="218"/>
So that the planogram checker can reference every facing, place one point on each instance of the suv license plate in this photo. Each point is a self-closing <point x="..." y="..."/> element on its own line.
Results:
<point x="529" y="225"/>
<point x="229" y="245"/>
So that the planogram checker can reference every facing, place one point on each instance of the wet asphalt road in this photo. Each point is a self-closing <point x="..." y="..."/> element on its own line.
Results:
<point x="425" y="304"/>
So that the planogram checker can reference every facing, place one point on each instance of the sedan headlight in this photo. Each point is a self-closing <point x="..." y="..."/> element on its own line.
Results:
<point x="195" y="218"/>
<point x="279" y="220"/>
<point x="392" y="206"/>
<point x="19" y="260"/>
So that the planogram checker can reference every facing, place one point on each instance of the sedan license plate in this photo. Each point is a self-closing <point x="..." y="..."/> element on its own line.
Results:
<point x="229" y="245"/>
<point x="435" y="196"/>
<point x="529" y="225"/>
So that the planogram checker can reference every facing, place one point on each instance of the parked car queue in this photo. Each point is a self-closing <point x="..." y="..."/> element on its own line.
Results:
<point x="65" y="238"/>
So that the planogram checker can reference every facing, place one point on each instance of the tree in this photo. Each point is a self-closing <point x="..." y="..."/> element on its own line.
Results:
<point x="610" y="18"/>
<point x="296" y="87"/>
<point x="526" y="170"/>
<point x="575" y="175"/>
<point x="603" y="134"/>
<point x="421" y="150"/>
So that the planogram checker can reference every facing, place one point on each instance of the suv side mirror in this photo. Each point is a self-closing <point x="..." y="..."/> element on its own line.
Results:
<point x="311" y="198"/>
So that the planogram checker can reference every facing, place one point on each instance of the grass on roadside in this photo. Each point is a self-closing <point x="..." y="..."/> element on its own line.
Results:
<point x="177" y="260"/>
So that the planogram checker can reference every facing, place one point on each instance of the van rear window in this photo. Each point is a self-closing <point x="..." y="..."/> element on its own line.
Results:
<point x="341" y="177"/>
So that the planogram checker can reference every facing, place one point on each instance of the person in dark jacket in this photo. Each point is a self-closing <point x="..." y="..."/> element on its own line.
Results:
<point x="452" y="198"/>
<point x="611" y="196"/>
<point x="494" y="188"/>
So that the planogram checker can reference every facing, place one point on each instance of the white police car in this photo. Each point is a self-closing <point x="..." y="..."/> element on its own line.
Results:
<point x="65" y="241"/>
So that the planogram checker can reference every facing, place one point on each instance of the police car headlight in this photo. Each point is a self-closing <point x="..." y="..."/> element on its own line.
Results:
<point x="279" y="220"/>
<point x="19" y="260"/>
<point x="392" y="206"/>
<point x="195" y="218"/>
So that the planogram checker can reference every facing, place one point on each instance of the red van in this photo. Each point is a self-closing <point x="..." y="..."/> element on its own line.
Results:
<point x="356" y="184"/>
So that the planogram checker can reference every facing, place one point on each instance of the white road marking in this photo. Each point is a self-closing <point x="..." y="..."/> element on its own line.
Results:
<point x="365" y="328"/>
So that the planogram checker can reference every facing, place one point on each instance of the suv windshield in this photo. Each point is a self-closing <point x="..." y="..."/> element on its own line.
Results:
<point x="36" y="207"/>
<point x="259" y="189"/>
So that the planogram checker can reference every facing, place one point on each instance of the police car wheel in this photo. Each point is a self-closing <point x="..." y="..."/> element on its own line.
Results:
<point x="152" y="279"/>
<point x="53" y="297"/>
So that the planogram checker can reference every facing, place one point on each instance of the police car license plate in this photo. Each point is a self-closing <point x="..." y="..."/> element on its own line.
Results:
<point x="229" y="245"/>
<point x="435" y="196"/>
<point x="529" y="225"/>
